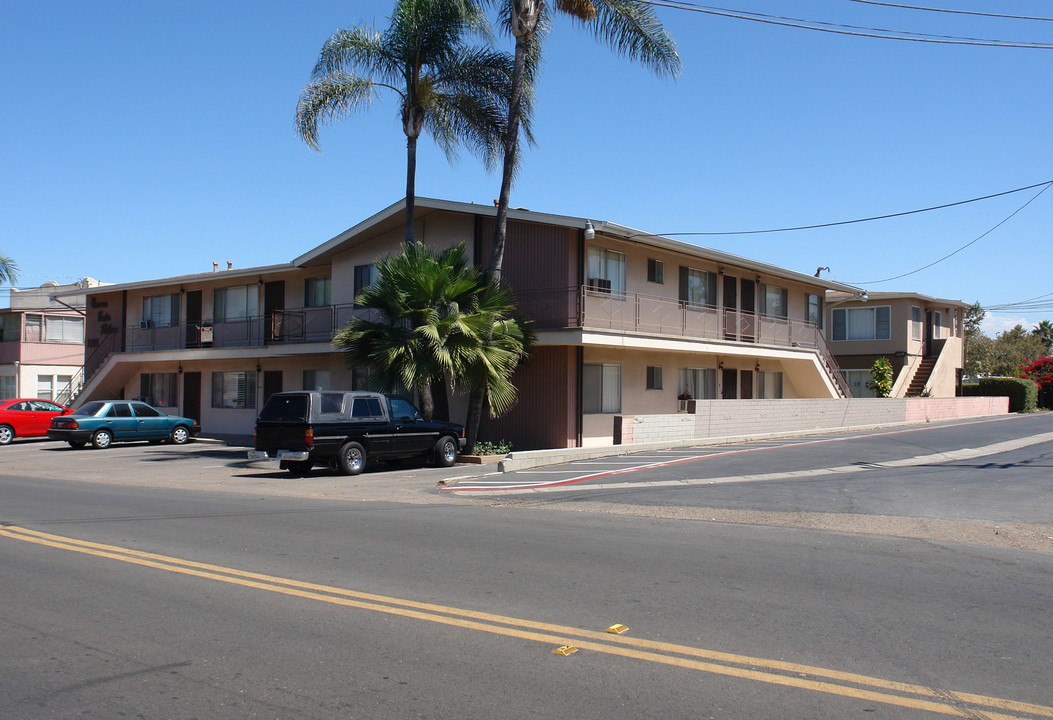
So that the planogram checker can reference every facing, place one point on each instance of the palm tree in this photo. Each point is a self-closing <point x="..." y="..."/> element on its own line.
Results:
<point x="456" y="92"/>
<point x="439" y="319"/>
<point x="629" y="27"/>
<point x="8" y="270"/>
<point x="1044" y="331"/>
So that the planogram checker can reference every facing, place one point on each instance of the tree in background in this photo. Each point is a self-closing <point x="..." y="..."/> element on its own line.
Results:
<point x="974" y="315"/>
<point x="1044" y="331"/>
<point x="1041" y="371"/>
<point x="457" y="92"/>
<point x="8" y="270"/>
<point x="1004" y="355"/>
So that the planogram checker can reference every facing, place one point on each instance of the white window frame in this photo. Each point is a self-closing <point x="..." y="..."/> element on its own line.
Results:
<point x="234" y="389"/>
<point x="770" y="385"/>
<point x="605" y="267"/>
<point x="774" y="301"/>
<point x="850" y="327"/>
<point x="917" y="323"/>
<point x="698" y="383"/>
<point x="601" y="389"/>
<point x="655" y="271"/>
<point x="315" y="287"/>
<point x="161" y="310"/>
<point x="654" y="377"/>
<point x="317" y="380"/>
<point x="937" y="319"/>
<point x="246" y="307"/>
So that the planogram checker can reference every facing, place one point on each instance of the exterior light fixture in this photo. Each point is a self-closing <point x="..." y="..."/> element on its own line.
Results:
<point x="590" y="231"/>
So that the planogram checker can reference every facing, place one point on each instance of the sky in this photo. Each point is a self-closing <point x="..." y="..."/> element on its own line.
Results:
<point x="147" y="139"/>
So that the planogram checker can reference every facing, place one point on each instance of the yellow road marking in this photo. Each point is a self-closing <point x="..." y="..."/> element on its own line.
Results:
<point x="797" y="676"/>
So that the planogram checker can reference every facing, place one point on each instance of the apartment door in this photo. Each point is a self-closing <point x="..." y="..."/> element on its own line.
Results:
<point x="748" y="303"/>
<point x="193" y="318"/>
<point x="729" y="381"/>
<point x="731" y="304"/>
<point x="192" y="395"/>
<point x="927" y="350"/>
<point x="745" y="384"/>
<point x="274" y="310"/>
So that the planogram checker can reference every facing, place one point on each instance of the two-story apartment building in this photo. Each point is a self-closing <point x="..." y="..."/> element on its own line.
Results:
<point x="42" y="342"/>
<point x="921" y="336"/>
<point x="626" y="322"/>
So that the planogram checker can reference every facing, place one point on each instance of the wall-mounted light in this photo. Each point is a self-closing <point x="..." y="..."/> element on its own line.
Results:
<point x="720" y="271"/>
<point x="720" y="365"/>
<point x="258" y="368"/>
<point x="590" y="231"/>
<point x="758" y="278"/>
<point x="180" y="369"/>
<point x="756" y="368"/>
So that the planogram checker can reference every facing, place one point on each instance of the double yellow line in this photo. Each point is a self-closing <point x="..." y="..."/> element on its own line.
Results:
<point x="775" y="672"/>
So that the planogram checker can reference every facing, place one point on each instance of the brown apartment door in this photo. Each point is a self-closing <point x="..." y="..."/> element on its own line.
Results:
<point x="729" y="380"/>
<point x="748" y="303"/>
<point x="274" y="310"/>
<point x="746" y="385"/>
<point x="731" y="305"/>
<point x="193" y="319"/>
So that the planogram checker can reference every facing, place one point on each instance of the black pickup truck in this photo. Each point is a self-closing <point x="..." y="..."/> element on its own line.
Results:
<point x="342" y="429"/>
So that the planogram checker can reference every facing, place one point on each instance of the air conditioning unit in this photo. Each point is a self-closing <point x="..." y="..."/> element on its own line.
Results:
<point x="599" y="285"/>
<point x="144" y="324"/>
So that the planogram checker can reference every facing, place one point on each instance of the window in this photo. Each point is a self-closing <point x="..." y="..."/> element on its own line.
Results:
<point x="331" y="403"/>
<point x="159" y="389"/>
<point x="44" y="387"/>
<point x="698" y="383"/>
<point x="862" y="323"/>
<point x="63" y="389"/>
<point x="366" y="409"/>
<point x="601" y="388"/>
<point x="161" y="310"/>
<point x="365" y="275"/>
<point x="360" y="378"/>
<point x="654" y="377"/>
<point x="814" y="310"/>
<point x="234" y="389"/>
<point x="401" y="409"/>
<point x="606" y="270"/>
<point x="937" y="319"/>
<point x="769" y="385"/>
<point x="59" y="329"/>
<point x="915" y="323"/>
<point x="773" y="301"/>
<point x="316" y="380"/>
<point x="232" y="304"/>
<point x="655" y="271"/>
<point x="144" y="410"/>
<point x="698" y="288"/>
<point x="119" y="410"/>
<point x="7" y="387"/>
<point x="10" y="326"/>
<point x="318" y="292"/>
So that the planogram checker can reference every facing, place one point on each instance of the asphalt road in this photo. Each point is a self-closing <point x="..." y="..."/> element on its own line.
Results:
<point x="164" y="582"/>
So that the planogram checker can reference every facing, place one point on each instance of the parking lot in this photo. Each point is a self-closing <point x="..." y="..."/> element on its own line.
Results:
<point x="216" y="466"/>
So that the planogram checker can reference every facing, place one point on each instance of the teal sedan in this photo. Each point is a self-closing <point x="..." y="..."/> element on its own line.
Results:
<point x="104" y="422"/>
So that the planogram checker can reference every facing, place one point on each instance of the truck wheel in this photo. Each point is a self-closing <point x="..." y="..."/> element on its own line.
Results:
<point x="445" y="452"/>
<point x="352" y="458"/>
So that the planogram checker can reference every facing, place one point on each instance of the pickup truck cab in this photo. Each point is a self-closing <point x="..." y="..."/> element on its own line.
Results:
<point x="344" y="429"/>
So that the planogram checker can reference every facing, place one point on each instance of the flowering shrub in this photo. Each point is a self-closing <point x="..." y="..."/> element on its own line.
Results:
<point x="1041" y="371"/>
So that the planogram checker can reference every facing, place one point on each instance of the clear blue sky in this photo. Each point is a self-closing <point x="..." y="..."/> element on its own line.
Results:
<point x="149" y="139"/>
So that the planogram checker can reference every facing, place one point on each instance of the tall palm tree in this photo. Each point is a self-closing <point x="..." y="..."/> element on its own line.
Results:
<point x="629" y="27"/>
<point x="8" y="270"/>
<point x="438" y="319"/>
<point x="457" y="92"/>
<point x="1044" y="331"/>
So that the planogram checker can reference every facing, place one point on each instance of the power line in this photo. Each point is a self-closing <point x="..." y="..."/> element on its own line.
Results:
<point x="1045" y="184"/>
<point x="971" y="242"/>
<point x="842" y="29"/>
<point x="953" y="12"/>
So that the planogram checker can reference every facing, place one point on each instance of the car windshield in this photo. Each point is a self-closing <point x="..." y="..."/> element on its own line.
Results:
<point x="285" y="408"/>
<point x="90" y="409"/>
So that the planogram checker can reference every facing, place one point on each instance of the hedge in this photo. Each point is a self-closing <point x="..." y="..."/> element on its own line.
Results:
<point x="1022" y="393"/>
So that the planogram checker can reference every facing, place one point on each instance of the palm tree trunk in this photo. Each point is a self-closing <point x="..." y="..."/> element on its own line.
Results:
<point x="475" y="415"/>
<point x="411" y="181"/>
<point x="427" y="400"/>
<point x="511" y="143"/>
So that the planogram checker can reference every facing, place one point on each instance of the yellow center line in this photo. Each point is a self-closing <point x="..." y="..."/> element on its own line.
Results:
<point x="757" y="669"/>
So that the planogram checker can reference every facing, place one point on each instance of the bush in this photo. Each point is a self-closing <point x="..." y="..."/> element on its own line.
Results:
<point x="1022" y="394"/>
<point x="501" y="447"/>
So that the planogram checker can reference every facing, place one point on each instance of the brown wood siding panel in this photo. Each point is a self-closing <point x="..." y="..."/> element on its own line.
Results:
<point x="544" y="414"/>
<point x="537" y="256"/>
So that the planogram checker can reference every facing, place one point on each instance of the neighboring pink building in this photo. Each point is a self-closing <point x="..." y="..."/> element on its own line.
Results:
<point x="626" y="322"/>
<point x="921" y="336"/>
<point x="42" y="342"/>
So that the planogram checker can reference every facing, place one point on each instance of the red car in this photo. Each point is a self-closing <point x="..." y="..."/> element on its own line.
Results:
<point x="27" y="418"/>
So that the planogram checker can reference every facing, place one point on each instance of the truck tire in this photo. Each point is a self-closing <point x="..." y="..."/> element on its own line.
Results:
<point x="351" y="459"/>
<point x="445" y="452"/>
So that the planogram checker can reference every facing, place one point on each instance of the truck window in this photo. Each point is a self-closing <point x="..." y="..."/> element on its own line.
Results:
<point x="332" y="403"/>
<point x="285" y="408"/>
<point x="402" y="409"/>
<point x="366" y="409"/>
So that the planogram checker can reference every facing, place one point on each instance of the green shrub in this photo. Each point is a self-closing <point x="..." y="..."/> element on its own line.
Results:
<point x="1022" y="394"/>
<point x="501" y="447"/>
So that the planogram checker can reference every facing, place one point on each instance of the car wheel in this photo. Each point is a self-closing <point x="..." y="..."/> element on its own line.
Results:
<point x="352" y="458"/>
<point x="76" y="444"/>
<point x="102" y="439"/>
<point x="179" y="435"/>
<point x="446" y="452"/>
<point x="7" y="434"/>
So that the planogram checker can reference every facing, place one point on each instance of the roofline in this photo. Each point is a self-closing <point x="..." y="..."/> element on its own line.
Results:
<point x="580" y="223"/>
<point x="914" y="296"/>
<point x="182" y="279"/>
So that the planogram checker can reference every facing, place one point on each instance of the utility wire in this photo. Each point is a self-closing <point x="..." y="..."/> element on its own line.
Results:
<point x="971" y="242"/>
<point x="953" y="12"/>
<point x="1045" y="184"/>
<point x="842" y="29"/>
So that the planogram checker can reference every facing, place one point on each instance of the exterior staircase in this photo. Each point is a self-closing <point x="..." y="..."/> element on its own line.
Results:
<point x="921" y="376"/>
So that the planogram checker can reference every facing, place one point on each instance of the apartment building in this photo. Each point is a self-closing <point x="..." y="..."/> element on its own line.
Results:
<point x="626" y="323"/>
